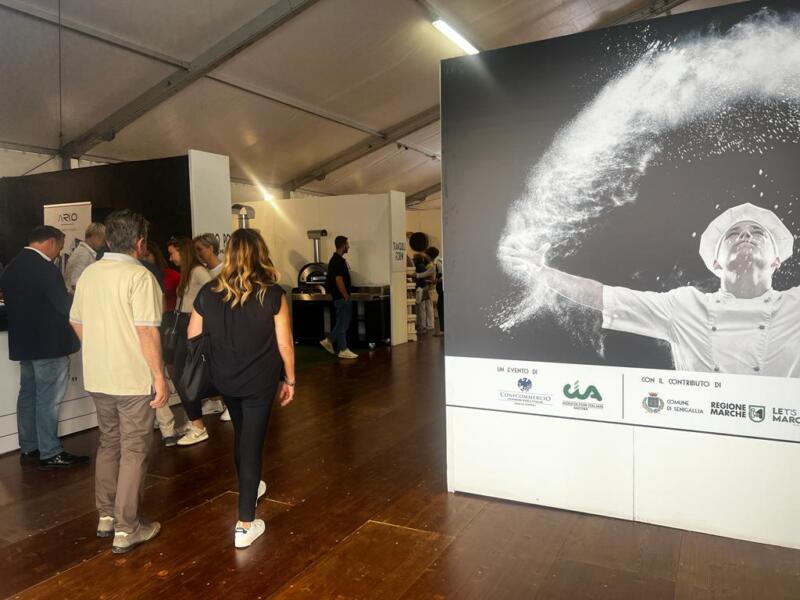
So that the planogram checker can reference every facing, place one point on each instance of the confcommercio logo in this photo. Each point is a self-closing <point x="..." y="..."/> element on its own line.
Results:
<point x="524" y="384"/>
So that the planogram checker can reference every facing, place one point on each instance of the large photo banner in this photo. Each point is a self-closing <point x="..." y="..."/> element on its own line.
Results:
<point x="621" y="215"/>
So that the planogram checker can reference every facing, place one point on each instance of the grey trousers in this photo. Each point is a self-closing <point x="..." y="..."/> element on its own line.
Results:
<point x="126" y="429"/>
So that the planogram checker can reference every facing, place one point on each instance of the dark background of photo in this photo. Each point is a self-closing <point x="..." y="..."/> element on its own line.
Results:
<point x="500" y="112"/>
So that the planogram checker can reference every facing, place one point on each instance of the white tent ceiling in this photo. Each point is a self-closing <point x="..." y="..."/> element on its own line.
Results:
<point x="336" y="75"/>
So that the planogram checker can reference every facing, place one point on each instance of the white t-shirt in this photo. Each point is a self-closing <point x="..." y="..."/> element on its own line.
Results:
<point x="714" y="332"/>
<point x="197" y="279"/>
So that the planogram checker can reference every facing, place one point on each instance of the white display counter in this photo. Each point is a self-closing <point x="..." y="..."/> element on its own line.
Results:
<point x="75" y="413"/>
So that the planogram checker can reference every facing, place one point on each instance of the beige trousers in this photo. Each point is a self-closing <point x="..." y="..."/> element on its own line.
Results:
<point x="126" y="429"/>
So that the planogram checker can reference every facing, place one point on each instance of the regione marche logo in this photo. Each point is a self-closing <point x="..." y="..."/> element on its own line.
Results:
<point x="756" y="413"/>
<point x="524" y="384"/>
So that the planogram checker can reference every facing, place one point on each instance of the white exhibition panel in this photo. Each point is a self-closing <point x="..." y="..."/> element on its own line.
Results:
<point x="696" y="458"/>
<point x="563" y="463"/>
<point x="372" y="224"/>
<point x="210" y="194"/>
<point x="722" y="485"/>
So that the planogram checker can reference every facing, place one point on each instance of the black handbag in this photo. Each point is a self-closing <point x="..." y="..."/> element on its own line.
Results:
<point x="196" y="378"/>
<point x="169" y="333"/>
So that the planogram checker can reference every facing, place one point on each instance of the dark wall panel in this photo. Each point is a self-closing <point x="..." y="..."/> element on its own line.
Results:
<point x="159" y="189"/>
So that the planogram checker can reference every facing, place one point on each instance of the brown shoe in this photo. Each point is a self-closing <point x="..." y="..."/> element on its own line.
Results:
<point x="125" y="542"/>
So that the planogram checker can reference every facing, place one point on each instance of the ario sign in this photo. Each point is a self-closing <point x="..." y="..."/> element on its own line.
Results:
<point x="67" y="217"/>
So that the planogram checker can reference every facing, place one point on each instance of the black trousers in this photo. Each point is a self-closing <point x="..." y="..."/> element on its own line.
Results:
<point x="193" y="410"/>
<point x="250" y="418"/>
<point x="440" y="304"/>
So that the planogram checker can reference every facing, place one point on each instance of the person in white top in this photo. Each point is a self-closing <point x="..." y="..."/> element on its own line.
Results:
<point x="85" y="254"/>
<point x="207" y="248"/>
<point x="746" y="327"/>
<point x="193" y="277"/>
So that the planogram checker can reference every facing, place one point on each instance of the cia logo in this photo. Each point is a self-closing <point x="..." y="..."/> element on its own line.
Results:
<point x="524" y="384"/>
<point x="652" y="403"/>
<point x="756" y="413"/>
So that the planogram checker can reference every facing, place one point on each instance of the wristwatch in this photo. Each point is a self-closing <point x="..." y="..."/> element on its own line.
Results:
<point x="289" y="383"/>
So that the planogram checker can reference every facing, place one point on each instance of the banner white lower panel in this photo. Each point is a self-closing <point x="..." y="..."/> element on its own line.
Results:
<point x="735" y="487"/>
<point x="577" y="465"/>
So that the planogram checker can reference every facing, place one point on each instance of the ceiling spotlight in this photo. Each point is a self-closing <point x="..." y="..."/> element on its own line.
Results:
<point x="454" y="36"/>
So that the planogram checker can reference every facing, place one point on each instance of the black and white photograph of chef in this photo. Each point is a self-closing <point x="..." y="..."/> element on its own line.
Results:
<point x="630" y="197"/>
<point x="745" y="327"/>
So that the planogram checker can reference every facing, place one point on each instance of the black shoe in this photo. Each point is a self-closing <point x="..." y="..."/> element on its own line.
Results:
<point x="62" y="461"/>
<point x="29" y="456"/>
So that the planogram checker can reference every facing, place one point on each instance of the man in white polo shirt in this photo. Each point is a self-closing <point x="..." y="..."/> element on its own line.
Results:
<point x="117" y="312"/>
<point x="745" y="327"/>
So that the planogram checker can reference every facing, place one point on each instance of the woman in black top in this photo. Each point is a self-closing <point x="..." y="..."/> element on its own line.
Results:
<point x="245" y="315"/>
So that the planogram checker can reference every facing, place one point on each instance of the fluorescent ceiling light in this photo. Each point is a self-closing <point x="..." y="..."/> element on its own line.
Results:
<point x="454" y="36"/>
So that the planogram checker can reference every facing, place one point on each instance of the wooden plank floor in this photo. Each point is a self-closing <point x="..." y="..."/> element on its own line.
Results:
<point x="356" y="507"/>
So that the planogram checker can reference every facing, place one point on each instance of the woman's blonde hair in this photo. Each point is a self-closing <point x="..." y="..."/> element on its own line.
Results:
<point x="247" y="268"/>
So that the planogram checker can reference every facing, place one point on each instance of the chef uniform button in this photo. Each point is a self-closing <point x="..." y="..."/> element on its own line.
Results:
<point x="716" y="369"/>
<point x="762" y="326"/>
<point x="756" y="369"/>
<point x="766" y="299"/>
<point x="713" y="328"/>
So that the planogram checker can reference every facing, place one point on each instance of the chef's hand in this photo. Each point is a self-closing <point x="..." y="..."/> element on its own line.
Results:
<point x="521" y="257"/>
<point x="286" y="393"/>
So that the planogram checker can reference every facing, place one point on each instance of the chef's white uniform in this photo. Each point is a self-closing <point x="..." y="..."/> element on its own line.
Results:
<point x="714" y="332"/>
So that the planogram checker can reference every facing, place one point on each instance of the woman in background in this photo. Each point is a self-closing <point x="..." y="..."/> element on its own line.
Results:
<point x="193" y="277"/>
<point x="246" y="317"/>
<point x="207" y="248"/>
<point x="154" y="260"/>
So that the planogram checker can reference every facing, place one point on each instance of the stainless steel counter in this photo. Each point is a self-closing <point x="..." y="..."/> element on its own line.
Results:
<point x="359" y="294"/>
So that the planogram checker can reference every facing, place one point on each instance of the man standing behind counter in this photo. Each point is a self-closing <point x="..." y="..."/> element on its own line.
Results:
<point x="338" y="285"/>
<point x="40" y="338"/>
<point x="117" y="313"/>
<point x="85" y="254"/>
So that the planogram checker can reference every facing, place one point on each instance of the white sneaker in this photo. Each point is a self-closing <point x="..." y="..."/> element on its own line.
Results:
<point x="244" y="537"/>
<point x="212" y="407"/>
<point x="225" y="416"/>
<point x="193" y="436"/>
<point x="326" y="343"/>
<point x="262" y="489"/>
<point x="347" y="353"/>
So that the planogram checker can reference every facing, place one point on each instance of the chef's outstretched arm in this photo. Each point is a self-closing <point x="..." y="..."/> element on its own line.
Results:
<point x="532" y="263"/>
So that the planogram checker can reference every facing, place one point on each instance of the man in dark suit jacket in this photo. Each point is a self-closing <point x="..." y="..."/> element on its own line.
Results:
<point x="41" y="339"/>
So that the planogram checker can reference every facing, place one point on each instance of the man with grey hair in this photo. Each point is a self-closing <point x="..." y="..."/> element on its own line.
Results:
<point x="117" y="313"/>
<point x="746" y="327"/>
<point x="85" y="254"/>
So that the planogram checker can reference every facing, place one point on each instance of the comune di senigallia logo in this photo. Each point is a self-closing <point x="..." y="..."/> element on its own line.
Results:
<point x="652" y="403"/>
<point x="524" y="384"/>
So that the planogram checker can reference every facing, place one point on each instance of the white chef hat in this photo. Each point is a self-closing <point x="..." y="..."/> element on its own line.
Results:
<point x="711" y="239"/>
